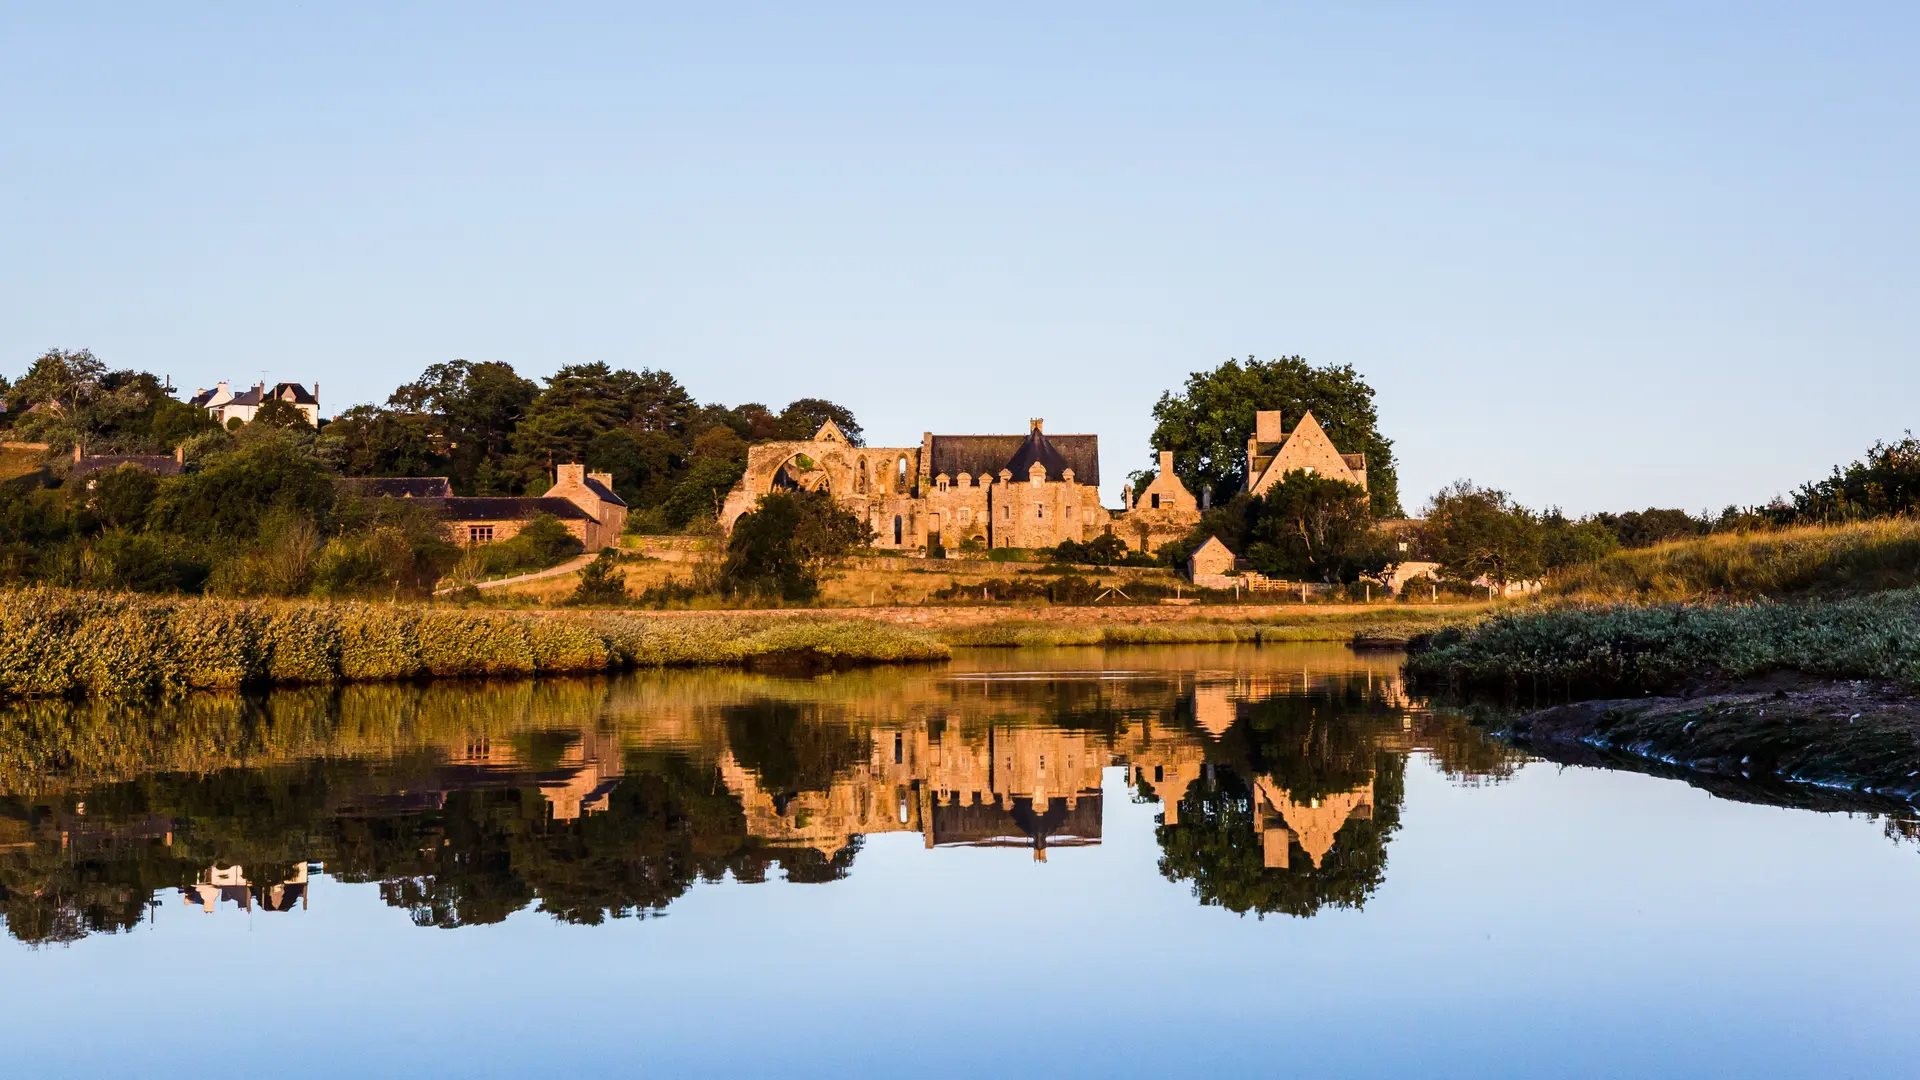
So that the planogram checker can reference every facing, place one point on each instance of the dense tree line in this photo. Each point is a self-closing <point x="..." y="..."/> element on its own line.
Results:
<point x="492" y="432"/>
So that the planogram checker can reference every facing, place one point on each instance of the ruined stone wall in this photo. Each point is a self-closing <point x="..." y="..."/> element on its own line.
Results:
<point x="875" y="483"/>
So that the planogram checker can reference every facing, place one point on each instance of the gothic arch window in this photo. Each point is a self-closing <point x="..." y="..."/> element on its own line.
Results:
<point x="896" y="530"/>
<point x="860" y="485"/>
<point x="901" y="484"/>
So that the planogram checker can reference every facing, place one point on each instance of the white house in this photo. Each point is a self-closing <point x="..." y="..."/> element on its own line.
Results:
<point x="223" y="404"/>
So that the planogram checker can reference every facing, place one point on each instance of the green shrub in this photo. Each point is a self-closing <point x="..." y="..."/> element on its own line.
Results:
<point x="601" y="582"/>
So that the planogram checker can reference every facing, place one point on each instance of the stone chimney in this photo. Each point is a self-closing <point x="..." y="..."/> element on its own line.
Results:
<point x="180" y="455"/>
<point x="574" y="474"/>
<point x="1036" y="422"/>
<point x="1266" y="426"/>
<point x="1166" y="463"/>
<point x="605" y="478"/>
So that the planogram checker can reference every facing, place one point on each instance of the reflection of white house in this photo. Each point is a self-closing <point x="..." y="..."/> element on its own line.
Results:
<point x="217" y="883"/>
<point x="224" y="405"/>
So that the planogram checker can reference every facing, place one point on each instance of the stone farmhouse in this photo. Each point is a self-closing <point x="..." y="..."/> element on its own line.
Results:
<point x="224" y="405"/>
<point x="1024" y="491"/>
<point x="583" y="502"/>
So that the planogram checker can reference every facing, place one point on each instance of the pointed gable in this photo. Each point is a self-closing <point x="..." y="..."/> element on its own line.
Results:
<point x="1307" y="447"/>
<point x="830" y="432"/>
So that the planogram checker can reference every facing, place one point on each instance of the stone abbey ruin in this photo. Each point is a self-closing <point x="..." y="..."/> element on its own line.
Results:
<point x="1012" y="491"/>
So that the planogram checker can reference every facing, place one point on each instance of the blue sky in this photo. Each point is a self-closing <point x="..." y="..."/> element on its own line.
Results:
<point x="1656" y="254"/>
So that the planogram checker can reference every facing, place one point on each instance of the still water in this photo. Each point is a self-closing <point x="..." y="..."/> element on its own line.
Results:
<point x="1141" y="862"/>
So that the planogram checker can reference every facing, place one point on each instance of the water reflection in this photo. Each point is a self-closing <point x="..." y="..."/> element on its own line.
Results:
<point x="1279" y="773"/>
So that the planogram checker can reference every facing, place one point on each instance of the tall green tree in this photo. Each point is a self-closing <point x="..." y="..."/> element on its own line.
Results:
<point x="780" y="549"/>
<point x="1475" y="532"/>
<point x="475" y="408"/>
<point x="1315" y="528"/>
<point x="1208" y="423"/>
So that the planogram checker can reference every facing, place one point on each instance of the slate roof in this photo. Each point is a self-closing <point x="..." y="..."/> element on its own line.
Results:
<point x="164" y="464"/>
<point x="398" y="487"/>
<point x="293" y="392"/>
<point x="203" y="397"/>
<point x="502" y="508"/>
<point x="988" y="454"/>
<point x="606" y="493"/>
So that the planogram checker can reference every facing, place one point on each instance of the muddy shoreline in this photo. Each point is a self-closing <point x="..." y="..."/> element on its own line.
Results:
<point x="1846" y="738"/>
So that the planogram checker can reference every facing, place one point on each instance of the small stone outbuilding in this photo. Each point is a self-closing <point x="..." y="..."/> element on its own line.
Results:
<point x="1211" y="565"/>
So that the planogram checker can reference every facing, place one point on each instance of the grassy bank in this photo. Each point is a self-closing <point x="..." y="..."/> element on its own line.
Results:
<point x="55" y="642"/>
<point x="1818" y="560"/>
<point x="1581" y="651"/>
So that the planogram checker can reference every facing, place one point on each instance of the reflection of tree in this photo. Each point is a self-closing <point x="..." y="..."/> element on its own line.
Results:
<point x="1218" y="846"/>
<point x="50" y="892"/>
<point x="792" y="748"/>
<point x="1311" y="746"/>
<point x="1465" y="751"/>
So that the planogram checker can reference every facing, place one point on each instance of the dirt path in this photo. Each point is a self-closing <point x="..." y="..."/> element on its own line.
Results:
<point x="578" y="562"/>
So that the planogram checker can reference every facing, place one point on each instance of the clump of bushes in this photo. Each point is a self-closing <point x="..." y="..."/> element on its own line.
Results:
<point x="1103" y="550"/>
<point x="1585" y="650"/>
<point x="780" y="549"/>
<point x="601" y="582"/>
<point x="128" y="646"/>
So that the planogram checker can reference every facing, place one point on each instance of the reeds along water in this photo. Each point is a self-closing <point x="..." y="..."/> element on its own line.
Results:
<point x="116" y="645"/>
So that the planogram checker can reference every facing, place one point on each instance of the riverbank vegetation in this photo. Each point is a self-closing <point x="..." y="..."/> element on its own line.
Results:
<point x="123" y="645"/>
<point x="1585" y="650"/>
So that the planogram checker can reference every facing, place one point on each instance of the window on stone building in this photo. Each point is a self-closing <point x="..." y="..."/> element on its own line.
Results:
<point x="479" y="534"/>
<point x="896" y="529"/>
<point x="1156" y="502"/>
<point x="1039" y="511"/>
<point x="860" y="484"/>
